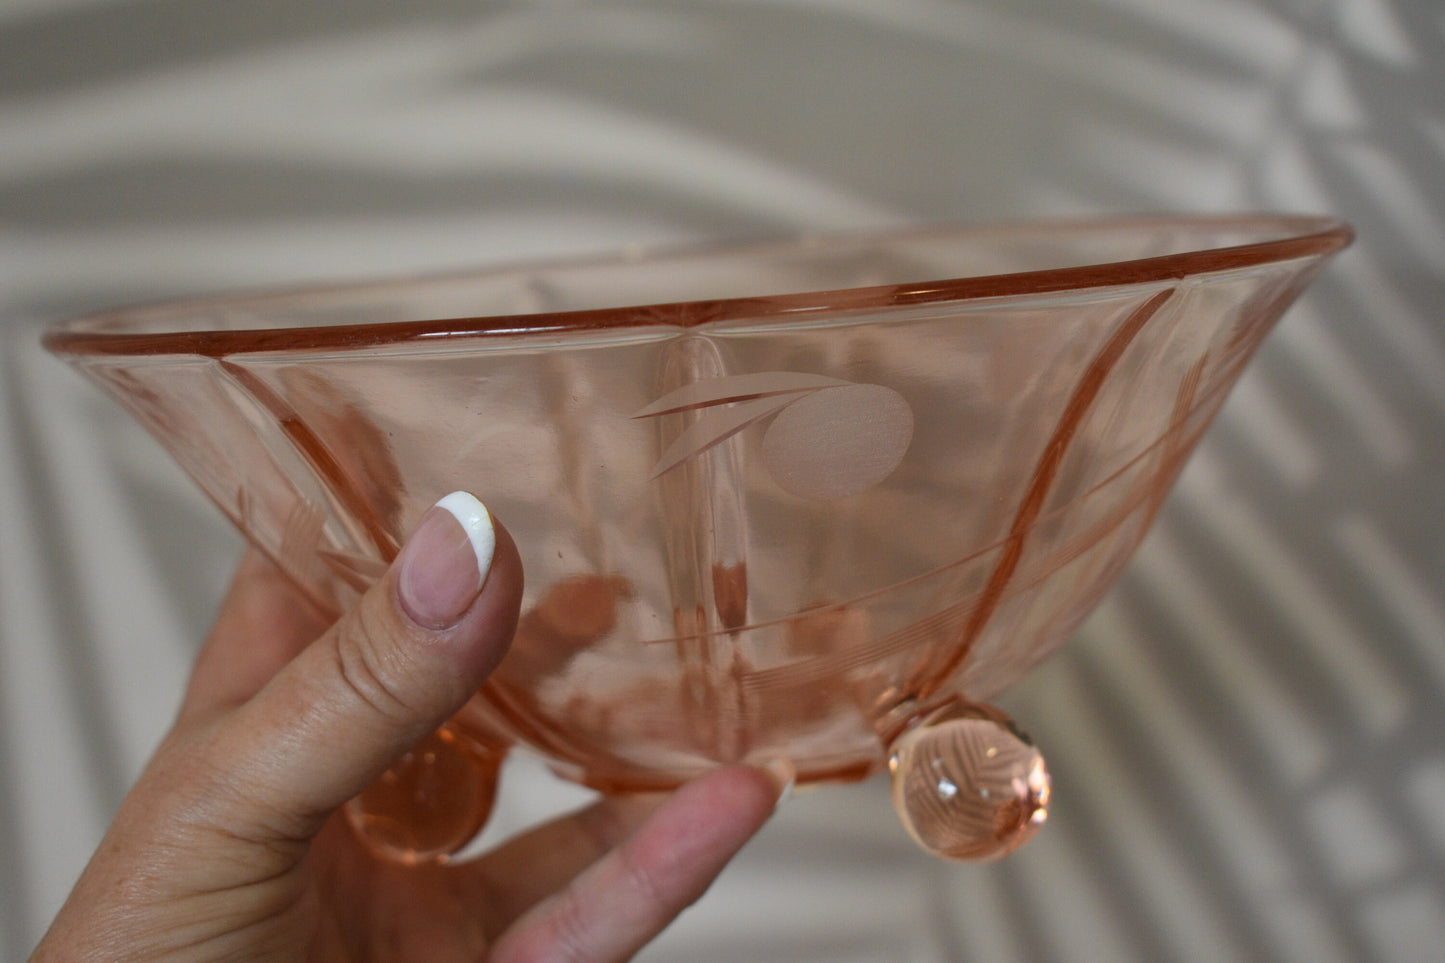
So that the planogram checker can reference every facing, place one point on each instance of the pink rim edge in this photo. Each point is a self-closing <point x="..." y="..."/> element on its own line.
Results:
<point x="1304" y="236"/>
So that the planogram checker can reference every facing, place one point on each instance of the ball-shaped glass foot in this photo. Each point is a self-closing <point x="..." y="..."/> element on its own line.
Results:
<point x="967" y="784"/>
<point x="432" y="802"/>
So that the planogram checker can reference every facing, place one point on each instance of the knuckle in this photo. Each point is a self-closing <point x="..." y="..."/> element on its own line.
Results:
<point x="645" y="879"/>
<point x="560" y="936"/>
<point x="370" y="670"/>
<point x="216" y="808"/>
<point x="568" y="933"/>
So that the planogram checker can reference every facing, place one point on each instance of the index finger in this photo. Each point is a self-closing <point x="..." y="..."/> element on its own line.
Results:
<point x="617" y="906"/>
<point x="263" y="622"/>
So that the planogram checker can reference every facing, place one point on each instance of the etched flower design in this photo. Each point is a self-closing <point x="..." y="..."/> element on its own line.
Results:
<point x="828" y="438"/>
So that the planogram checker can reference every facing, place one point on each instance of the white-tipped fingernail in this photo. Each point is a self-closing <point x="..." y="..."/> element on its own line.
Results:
<point x="446" y="560"/>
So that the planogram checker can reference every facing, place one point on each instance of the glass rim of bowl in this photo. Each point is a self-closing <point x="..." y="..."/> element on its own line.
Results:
<point x="140" y="330"/>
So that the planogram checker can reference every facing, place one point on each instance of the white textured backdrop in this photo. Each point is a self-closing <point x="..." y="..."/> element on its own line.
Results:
<point x="1248" y="738"/>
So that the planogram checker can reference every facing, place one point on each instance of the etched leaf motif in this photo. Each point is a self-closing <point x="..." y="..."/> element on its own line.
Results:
<point x="719" y="391"/>
<point x="832" y="439"/>
<point x="715" y="427"/>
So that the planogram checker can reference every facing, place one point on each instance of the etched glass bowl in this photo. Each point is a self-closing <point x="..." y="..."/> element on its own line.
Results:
<point x="815" y="501"/>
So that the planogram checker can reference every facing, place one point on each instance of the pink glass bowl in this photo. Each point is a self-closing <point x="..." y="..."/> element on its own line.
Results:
<point x="814" y="501"/>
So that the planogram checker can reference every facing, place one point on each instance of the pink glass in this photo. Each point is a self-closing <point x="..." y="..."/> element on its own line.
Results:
<point x="814" y="502"/>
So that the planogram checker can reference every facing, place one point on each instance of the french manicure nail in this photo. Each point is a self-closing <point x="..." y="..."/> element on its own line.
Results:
<point x="446" y="560"/>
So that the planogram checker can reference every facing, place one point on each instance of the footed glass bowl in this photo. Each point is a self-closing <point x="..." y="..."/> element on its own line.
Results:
<point x="814" y="501"/>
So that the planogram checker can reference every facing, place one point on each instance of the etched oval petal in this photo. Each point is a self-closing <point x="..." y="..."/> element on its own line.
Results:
<point x="838" y="441"/>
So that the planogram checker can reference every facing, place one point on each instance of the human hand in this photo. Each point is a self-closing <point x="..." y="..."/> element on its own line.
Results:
<point x="230" y="845"/>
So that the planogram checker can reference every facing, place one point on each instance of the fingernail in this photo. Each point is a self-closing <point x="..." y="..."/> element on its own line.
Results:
<point x="783" y="775"/>
<point x="446" y="560"/>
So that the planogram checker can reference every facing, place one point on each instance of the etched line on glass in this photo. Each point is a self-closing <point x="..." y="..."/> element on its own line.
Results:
<point x="357" y="571"/>
<point x="948" y="622"/>
<point x="830" y="439"/>
<point x="1169" y="451"/>
<point x="718" y="391"/>
<point x="715" y="427"/>
<point x="300" y="534"/>
<point x="1042" y="481"/>
<point x="317" y="455"/>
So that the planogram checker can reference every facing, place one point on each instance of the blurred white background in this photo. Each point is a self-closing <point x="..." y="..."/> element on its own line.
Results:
<point x="1247" y="739"/>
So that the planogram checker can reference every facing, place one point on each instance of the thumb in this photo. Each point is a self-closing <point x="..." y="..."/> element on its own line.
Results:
<point x="391" y="670"/>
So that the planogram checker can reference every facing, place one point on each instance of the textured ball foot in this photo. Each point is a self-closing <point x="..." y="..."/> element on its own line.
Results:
<point x="967" y="784"/>
<point x="432" y="802"/>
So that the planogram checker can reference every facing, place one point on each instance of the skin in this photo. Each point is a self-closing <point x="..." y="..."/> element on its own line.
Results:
<point x="230" y="847"/>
